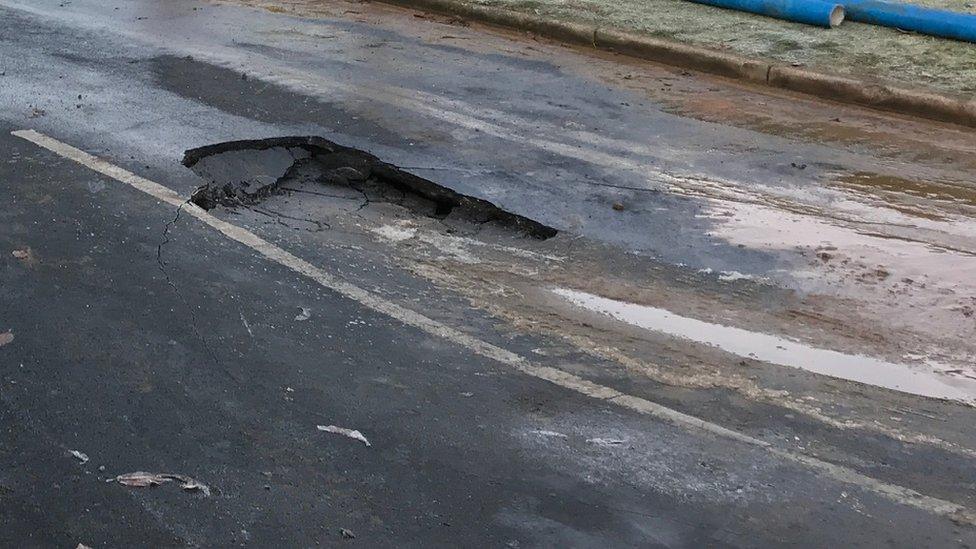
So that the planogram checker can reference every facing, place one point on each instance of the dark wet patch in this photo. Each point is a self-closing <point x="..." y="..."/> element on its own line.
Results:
<point x="235" y="93"/>
<point x="391" y="38"/>
<point x="242" y="173"/>
<point x="528" y="65"/>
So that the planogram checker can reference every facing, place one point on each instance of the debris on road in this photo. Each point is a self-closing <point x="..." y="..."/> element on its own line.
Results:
<point x="142" y="479"/>
<point x="36" y="113"/>
<point x="347" y="533"/>
<point x="545" y="433"/>
<point x="305" y="314"/>
<point x="617" y="206"/>
<point x="246" y="326"/>
<point x="82" y="457"/>
<point x="26" y="256"/>
<point x="82" y="546"/>
<point x="351" y="433"/>
<point x="5" y="338"/>
<point x="605" y="441"/>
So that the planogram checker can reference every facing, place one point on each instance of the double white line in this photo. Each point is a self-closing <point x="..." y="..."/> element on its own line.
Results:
<point x="893" y="492"/>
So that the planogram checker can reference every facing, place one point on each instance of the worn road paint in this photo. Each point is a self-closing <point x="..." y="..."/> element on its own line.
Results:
<point x="898" y="494"/>
<point x="927" y="380"/>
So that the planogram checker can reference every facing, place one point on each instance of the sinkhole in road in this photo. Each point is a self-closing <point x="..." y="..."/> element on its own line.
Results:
<point x="243" y="173"/>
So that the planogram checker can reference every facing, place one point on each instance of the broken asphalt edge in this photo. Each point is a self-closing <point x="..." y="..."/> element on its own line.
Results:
<point x="922" y="103"/>
<point x="402" y="180"/>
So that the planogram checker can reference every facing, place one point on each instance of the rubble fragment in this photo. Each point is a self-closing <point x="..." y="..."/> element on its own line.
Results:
<point x="26" y="257"/>
<point x="142" y="479"/>
<point x="351" y="433"/>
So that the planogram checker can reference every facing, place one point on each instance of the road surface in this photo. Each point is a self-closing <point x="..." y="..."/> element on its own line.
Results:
<point x="699" y="314"/>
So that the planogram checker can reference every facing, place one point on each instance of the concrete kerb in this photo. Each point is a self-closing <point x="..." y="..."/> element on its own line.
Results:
<point x="683" y="55"/>
<point x="878" y="95"/>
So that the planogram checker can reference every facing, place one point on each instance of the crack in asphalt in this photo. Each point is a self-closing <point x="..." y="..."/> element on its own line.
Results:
<point x="316" y="193"/>
<point x="365" y="199"/>
<point x="269" y="212"/>
<point x="169" y="281"/>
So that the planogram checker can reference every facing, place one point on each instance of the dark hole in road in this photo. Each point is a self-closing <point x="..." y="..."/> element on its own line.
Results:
<point x="243" y="173"/>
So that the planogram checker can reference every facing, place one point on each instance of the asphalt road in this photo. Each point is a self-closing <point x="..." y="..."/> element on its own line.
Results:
<point x="152" y="336"/>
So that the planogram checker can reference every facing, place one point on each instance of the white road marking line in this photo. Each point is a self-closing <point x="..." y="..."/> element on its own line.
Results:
<point x="898" y="494"/>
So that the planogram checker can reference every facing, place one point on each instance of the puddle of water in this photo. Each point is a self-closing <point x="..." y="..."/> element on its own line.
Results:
<point x="918" y="380"/>
<point x="927" y="290"/>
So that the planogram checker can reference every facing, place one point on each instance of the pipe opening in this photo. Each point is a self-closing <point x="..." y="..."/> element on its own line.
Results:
<point x="836" y="16"/>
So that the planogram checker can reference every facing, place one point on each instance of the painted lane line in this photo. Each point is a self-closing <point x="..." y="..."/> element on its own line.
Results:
<point x="898" y="494"/>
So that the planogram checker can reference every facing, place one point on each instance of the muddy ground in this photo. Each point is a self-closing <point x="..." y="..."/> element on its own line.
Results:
<point x="865" y="51"/>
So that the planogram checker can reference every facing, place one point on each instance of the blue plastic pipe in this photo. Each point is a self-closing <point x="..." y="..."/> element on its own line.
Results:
<point x="944" y="23"/>
<point x="811" y="12"/>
